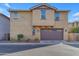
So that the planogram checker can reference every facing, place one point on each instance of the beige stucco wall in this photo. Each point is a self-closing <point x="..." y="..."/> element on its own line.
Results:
<point x="37" y="34"/>
<point x="49" y="21"/>
<point x="21" y="25"/>
<point x="63" y="22"/>
<point x="24" y="23"/>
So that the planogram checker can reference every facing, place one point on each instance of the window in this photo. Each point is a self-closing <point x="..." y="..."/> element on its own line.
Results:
<point x="43" y="14"/>
<point x="57" y="16"/>
<point x="33" y="32"/>
<point x="77" y="23"/>
<point x="72" y="24"/>
<point x="16" y="15"/>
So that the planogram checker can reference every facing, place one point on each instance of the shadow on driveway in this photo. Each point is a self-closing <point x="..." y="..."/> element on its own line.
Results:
<point x="16" y="48"/>
<point x="74" y="45"/>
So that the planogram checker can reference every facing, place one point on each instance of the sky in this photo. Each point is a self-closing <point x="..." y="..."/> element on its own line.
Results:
<point x="73" y="7"/>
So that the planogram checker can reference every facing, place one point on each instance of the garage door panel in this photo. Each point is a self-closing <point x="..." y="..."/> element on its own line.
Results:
<point x="51" y="34"/>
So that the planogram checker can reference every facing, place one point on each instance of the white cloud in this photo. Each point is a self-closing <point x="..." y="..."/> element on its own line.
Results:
<point x="75" y="19"/>
<point x="7" y="5"/>
<point x="76" y="14"/>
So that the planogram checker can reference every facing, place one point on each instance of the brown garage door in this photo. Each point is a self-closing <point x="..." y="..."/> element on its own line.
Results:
<point x="53" y="34"/>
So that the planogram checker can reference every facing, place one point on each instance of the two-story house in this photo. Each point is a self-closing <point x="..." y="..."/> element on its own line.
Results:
<point x="42" y="21"/>
<point x="4" y="27"/>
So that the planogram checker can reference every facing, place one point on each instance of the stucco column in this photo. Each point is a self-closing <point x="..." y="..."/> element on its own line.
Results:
<point x="37" y="34"/>
<point x="65" y="33"/>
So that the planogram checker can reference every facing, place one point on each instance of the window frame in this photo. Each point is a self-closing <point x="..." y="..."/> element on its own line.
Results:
<point x="43" y="14"/>
<point x="57" y="16"/>
<point x="16" y="15"/>
<point x="76" y="23"/>
<point x="33" y="31"/>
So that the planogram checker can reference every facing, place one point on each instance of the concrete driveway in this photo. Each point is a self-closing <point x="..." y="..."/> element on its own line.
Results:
<point x="53" y="50"/>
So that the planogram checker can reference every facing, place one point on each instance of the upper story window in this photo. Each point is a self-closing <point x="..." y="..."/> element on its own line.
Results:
<point x="57" y="16"/>
<point x="16" y="15"/>
<point x="77" y="23"/>
<point x="43" y="14"/>
<point x="72" y="24"/>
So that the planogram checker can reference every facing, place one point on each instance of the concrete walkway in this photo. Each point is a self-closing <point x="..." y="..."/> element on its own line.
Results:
<point x="53" y="50"/>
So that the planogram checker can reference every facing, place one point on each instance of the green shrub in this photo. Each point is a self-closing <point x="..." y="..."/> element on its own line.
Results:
<point x="20" y="36"/>
<point x="75" y="30"/>
<point x="36" y="39"/>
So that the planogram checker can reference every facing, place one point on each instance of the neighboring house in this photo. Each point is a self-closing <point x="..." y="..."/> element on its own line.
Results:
<point x="73" y="35"/>
<point x="73" y="25"/>
<point x="42" y="22"/>
<point x="4" y="27"/>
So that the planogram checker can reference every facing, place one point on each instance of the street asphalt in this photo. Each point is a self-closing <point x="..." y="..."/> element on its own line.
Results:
<point x="13" y="48"/>
<point x="48" y="48"/>
<point x="51" y="50"/>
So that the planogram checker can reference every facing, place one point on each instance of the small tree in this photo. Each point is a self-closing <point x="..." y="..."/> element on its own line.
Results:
<point x="20" y="36"/>
<point x="75" y="30"/>
<point x="36" y="39"/>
